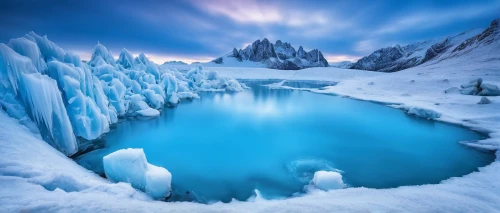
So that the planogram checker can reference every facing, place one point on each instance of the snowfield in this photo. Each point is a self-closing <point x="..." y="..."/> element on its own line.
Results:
<point x="49" y="181"/>
<point x="36" y="177"/>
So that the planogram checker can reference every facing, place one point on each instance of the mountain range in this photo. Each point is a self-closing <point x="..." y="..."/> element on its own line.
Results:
<point x="392" y="59"/>
<point x="283" y="56"/>
<point x="280" y="55"/>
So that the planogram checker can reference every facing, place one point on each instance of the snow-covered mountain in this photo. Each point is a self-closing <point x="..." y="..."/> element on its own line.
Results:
<point x="175" y="63"/>
<point x="280" y="55"/>
<point x="391" y="59"/>
<point x="341" y="64"/>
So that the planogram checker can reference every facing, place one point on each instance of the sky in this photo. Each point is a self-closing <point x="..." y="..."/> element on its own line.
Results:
<point x="202" y="30"/>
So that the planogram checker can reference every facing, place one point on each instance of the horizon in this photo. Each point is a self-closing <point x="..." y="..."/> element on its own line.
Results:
<point x="344" y="31"/>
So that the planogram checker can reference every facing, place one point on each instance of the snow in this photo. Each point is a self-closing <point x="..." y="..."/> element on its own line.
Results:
<point x="131" y="166"/>
<point x="36" y="177"/>
<point x="327" y="180"/>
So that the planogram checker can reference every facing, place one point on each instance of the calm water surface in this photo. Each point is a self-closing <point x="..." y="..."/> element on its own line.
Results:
<point x="224" y="146"/>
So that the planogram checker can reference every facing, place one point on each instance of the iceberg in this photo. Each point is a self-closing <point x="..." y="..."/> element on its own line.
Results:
<point x="131" y="166"/>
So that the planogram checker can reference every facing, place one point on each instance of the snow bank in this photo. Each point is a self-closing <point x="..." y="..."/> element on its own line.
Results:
<point x="326" y="180"/>
<point x="131" y="166"/>
<point x="49" y="181"/>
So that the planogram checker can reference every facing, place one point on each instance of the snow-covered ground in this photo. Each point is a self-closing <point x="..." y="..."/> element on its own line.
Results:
<point x="36" y="177"/>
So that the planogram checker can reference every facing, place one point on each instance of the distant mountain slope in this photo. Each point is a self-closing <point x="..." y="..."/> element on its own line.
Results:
<point x="391" y="59"/>
<point x="341" y="64"/>
<point x="281" y="55"/>
<point x="175" y="63"/>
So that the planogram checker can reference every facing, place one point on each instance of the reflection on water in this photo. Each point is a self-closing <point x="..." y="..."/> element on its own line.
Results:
<point x="225" y="145"/>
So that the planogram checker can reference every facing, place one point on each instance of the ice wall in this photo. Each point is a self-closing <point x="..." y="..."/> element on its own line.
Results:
<point x="39" y="96"/>
<point x="69" y="99"/>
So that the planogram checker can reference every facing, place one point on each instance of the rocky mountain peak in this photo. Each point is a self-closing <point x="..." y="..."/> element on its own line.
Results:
<point x="391" y="59"/>
<point x="487" y="36"/>
<point x="280" y="55"/>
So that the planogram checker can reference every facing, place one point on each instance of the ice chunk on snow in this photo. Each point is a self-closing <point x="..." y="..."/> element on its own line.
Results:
<point x="489" y="90"/>
<point x="477" y="87"/>
<point x="424" y="113"/>
<point x="452" y="90"/>
<point x="484" y="100"/>
<point x="131" y="166"/>
<point x="326" y="180"/>
<point x="158" y="182"/>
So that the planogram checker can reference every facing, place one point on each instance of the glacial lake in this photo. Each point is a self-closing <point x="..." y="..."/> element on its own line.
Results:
<point x="226" y="145"/>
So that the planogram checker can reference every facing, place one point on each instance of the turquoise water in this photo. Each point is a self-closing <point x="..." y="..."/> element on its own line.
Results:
<point x="224" y="146"/>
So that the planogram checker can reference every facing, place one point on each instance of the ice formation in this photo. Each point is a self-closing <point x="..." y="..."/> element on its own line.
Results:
<point x="423" y="113"/>
<point x="131" y="166"/>
<point x="326" y="180"/>
<point x="69" y="99"/>
<point x="39" y="96"/>
<point x="477" y="87"/>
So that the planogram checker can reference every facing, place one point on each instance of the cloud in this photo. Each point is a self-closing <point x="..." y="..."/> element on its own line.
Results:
<point x="242" y="11"/>
<point x="434" y="18"/>
<point x="340" y="58"/>
<point x="365" y="46"/>
<point x="261" y="13"/>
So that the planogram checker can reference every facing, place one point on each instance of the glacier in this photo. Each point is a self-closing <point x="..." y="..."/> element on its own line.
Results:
<point x="70" y="101"/>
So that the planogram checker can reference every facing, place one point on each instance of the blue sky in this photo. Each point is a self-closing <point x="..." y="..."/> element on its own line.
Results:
<point x="200" y="30"/>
